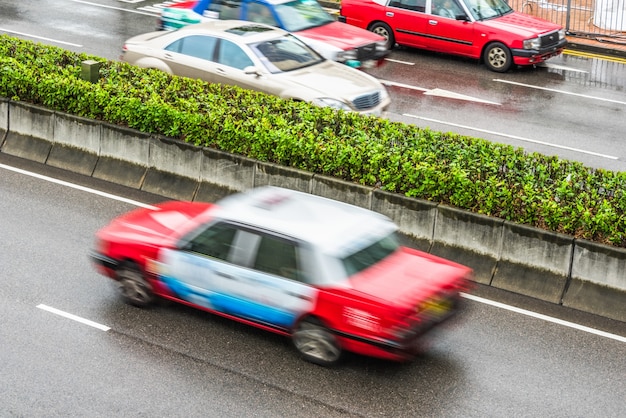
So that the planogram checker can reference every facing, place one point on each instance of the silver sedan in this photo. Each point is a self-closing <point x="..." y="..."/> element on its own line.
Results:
<point x="257" y="57"/>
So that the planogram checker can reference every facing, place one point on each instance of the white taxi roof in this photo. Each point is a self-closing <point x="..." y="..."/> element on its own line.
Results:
<point x="336" y="227"/>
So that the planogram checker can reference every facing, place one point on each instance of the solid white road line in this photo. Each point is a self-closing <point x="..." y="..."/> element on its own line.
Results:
<point x="400" y="62"/>
<point x="453" y="95"/>
<point x="585" y="96"/>
<point x="121" y="9"/>
<point x="561" y="67"/>
<point x="76" y="186"/>
<point x="544" y="317"/>
<point x="74" y="317"/>
<point x="39" y="37"/>
<point x="519" y="138"/>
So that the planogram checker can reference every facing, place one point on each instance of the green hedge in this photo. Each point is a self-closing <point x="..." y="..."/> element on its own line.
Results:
<point x="469" y="173"/>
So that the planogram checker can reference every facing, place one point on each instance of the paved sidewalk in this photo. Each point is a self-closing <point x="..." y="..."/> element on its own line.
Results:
<point x="598" y="45"/>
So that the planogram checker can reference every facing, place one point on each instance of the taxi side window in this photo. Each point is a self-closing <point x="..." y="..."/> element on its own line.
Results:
<point x="416" y="5"/>
<point x="260" y="13"/>
<point x="215" y="241"/>
<point x="226" y="10"/>
<point x="197" y="46"/>
<point x="277" y="256"/>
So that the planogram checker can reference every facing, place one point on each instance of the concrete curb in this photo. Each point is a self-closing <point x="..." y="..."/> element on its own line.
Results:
<point x="542" y="264"/>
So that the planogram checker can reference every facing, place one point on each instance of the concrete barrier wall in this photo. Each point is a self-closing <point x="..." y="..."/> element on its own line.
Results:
<point x="542" y="264"/>
<point x="416" y="218"/>
<point x="4" y="119"/>
<point x="597" y="283"/>
<point x="31" y="132"/>
<point x="470" y="239"/>
<point x="533" y="262"/>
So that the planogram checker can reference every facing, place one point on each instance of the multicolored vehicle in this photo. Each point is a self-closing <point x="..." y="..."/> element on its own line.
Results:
<point x="488" y="30"/>
<point x="331" y="276"/>
<point x="304" y="18"/>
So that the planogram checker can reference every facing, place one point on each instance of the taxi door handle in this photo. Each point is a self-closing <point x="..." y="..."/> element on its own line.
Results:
<point x="226" y="276"/>
<point x="432" y="22"/>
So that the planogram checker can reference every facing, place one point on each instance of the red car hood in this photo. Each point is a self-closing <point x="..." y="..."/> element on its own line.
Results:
<point x="410" y="276"/>
<point x="160" y="226"/>
<point x="341" y="35"/>
<point x="184" y="4"/>
<point x="521" y="24"/>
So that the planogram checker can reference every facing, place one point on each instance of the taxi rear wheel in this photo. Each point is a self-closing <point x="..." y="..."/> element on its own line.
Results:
<point x="316" y="343"/>
<point x="133" y="287"/>
<point x="498" y="57"/>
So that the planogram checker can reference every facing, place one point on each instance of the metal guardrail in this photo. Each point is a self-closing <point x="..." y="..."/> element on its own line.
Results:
<point x="584" y="18"/>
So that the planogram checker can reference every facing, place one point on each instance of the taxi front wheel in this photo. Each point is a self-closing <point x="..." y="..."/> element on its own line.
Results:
<point x="497" y="57"/>
<point x="133" y="287"/>
<point x="316" y="343"/>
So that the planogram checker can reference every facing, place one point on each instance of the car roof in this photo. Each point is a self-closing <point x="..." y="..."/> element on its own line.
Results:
<point x="337" y="227"/>
<point x="240" y="30"/>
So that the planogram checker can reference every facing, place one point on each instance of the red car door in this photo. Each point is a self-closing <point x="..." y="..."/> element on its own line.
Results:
<point x="446" y="33"/>
<point x="407" y="18"/>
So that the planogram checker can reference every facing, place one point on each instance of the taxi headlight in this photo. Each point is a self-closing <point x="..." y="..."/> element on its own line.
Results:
<point x="350" y="54"/>
<point x="380" y="46"/>
<point x="562" y="34"/>
<point x="534" y="43"/>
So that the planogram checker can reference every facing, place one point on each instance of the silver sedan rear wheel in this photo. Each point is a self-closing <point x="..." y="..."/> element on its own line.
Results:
<point x="316" y="343"/>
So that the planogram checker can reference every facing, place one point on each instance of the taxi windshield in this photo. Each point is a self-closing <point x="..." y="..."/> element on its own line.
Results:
<point x="487" y="9"/>
<point x="371" y="254"/>
<point x="302" y="14"/>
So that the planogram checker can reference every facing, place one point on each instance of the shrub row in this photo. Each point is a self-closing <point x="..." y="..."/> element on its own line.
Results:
<point x="469" y="173"/>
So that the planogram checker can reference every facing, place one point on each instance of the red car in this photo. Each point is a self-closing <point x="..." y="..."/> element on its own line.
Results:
<point x="489" y="30"/>
<point x="331" y="276"/>
<point x="304" y="18"/>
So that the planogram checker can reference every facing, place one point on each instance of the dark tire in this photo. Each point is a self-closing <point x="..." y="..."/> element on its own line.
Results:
<point x="316" y="343"/>
<point x="497" y="57"/>
<point x="385" y="31"/>
<point x="133" y="287"/>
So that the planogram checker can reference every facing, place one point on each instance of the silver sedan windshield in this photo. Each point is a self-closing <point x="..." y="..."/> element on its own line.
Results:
<point x="285" y="54"/>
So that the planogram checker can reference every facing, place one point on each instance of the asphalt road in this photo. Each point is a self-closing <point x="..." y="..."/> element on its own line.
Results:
<point x="573" y="106"/>
<point x="172" y="361"/>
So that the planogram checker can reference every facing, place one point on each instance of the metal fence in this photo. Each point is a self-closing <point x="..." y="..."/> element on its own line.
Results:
<point x="604" y="19"/>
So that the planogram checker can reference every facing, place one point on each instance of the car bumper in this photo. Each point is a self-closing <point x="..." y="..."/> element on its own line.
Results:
<point x="534" y="56"/>
<point x="106" y="265"/>
<point x="403" y="349"/>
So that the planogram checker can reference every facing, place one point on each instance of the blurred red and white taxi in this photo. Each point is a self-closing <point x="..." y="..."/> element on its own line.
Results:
<point x="306" y="19"/>
<point x="330" y="275"/>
